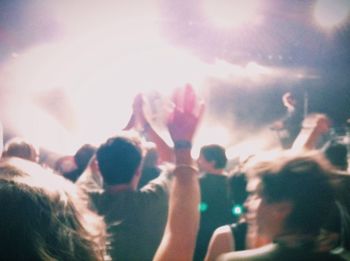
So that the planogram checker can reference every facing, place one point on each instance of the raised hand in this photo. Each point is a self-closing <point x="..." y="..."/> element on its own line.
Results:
<point x="186" y="114"/>
<point x="179" y="238"/>
<point x="137" y="120"/>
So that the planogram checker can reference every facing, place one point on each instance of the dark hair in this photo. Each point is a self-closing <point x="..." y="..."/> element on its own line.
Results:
<point x="20" y="148"/>
<point x="304" y="181"/>
<point x="215" y="153"/>
<point x="336" y="153"/>
<point x="118" y="159"/>
<point x="41" y="218"/>
<point x="83" y="155"/>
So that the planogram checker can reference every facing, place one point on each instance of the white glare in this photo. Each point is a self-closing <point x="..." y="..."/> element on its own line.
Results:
<point x="102" y="56"/>
<point x="231" y="14"/>
<point x="331" y="13"/>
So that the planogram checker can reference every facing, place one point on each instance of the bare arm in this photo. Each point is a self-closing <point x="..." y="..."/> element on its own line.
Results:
<point x="139" y="118"/>
<point x="221" y="242"/>
<point x="179" y="238"/>
<point x="314" y="127"/>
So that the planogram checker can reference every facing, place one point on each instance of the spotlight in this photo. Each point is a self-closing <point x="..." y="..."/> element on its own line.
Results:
<point x="330" y="14"/>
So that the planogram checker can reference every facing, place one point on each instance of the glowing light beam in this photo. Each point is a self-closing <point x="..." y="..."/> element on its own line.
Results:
<point x="231" y="14"/>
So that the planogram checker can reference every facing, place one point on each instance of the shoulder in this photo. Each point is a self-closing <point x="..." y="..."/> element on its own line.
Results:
<point x="223" y="233"/>
<point x="262" y="253"/>
<point x="221" y="241"/>
<point x="158" y="185"/>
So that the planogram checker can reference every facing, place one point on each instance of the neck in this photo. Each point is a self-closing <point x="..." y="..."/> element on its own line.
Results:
<point x="217" y="172"/>
<point x="118" y="188"/>
<point x="254" y="239"/>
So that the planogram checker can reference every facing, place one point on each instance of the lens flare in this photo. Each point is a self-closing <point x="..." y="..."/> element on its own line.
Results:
<point x="330" y="14"/>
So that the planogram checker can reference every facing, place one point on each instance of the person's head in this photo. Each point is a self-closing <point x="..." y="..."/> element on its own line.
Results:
<point x="337" y="154"/>
<point x="119" y="160"/>
<point x="212" y="158"/>
<point x="151" y="156"/>
<point x="65" y="164"/>
<point x="83" y="156"/>
<point x="42" y="217"/>
<point x="295" y="196"/>
<point x="20" y="148"/>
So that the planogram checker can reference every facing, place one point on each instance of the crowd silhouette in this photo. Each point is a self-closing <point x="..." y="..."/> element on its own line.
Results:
<point x="135" y="197"/>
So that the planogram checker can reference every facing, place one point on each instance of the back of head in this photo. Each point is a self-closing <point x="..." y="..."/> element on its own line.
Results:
<point x="18" y="147"/>
<point x="118" y="160"/>
<point x="303" y="181"/>
<point x="215" y="153"/>
<point x="337" y="155"/>
<point x="151" y="157"/>
<point x="83" y="155"/>
<point x="42" y="219"/>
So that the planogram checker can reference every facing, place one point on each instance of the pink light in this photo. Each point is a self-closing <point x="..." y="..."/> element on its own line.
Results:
<point x="231" y="14"/>
<point x="330" y="14"/>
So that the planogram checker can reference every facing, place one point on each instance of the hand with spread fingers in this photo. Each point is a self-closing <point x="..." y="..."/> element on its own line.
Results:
<point x="187" y="112"/>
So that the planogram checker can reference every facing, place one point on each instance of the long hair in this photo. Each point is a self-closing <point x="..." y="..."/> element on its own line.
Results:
<point x="304" y="181"/>
<point x="43" y="218"/>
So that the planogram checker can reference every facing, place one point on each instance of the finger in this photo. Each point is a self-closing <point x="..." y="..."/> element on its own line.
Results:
<point x="178" y="98"/>
<point x="137" y="105"/>
<point x="170" y="118"/>
<point x="137" y="98"/>
<point x="189" y="99"/>
<point x="201" y="109"/>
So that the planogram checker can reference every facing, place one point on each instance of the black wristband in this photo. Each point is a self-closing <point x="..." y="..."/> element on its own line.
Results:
<point x="182" y="144"/>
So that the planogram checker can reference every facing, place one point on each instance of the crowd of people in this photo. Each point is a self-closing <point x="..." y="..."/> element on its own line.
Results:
<point x="135" y="197"/>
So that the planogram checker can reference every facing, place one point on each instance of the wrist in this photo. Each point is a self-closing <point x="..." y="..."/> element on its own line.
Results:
<point x="188" y="168"/>
<point x="183" y="156"/>
<point x="182" y="144"/>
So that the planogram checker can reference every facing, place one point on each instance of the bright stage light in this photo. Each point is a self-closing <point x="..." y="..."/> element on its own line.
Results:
<point x="330" y="14"/>
<point x="101" y="59"/>
<point x="231" y="14"/>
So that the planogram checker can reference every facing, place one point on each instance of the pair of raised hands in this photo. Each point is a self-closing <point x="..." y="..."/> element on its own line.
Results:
<point x="183" y="117"/>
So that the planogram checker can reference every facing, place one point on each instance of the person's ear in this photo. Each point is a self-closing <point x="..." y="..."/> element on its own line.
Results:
<point x="212" y="164"/>
<point x="283" y="209"/>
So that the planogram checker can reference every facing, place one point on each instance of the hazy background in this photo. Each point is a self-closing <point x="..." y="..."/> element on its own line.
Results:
<point x="70" y="69"/>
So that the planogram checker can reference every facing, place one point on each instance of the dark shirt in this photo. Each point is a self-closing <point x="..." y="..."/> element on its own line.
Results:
<point x="239" y="233"/>
<point x="278" y="252"/>
<point x="215" y="209"/>
<point x="135" y="219"/>
<point x="148" y="174"/>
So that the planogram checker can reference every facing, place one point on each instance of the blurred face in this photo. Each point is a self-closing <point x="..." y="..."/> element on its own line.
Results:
<point x="266" y="217"/>
<point x="252" y="202"/>
<point x="266" y="221"/>
<point x="203" y="164"/>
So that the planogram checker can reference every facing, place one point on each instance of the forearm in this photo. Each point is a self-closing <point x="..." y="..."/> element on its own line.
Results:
<point x="306" y="140"/>
<point x="180" y="234"/>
